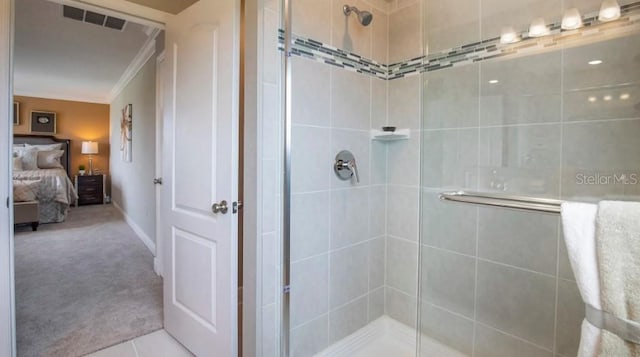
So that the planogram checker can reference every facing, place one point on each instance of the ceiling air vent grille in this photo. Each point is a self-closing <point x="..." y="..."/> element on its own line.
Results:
<point x="73" y="13"/>
<point x="93" y="17"/>
<point x="115" y="23"/>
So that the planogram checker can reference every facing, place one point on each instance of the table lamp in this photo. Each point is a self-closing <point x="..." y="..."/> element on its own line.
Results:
<point x="90" y="148"/>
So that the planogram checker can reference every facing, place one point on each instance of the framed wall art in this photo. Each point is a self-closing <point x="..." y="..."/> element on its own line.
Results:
<point x="43" y="122"/>
<point x="126" y="138"/>
<point x="16" y="113"/>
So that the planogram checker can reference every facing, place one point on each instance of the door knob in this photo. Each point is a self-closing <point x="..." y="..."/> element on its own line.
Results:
<point x="220" y="207"/>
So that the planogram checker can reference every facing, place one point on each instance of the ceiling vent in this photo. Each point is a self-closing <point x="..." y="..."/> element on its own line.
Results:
<point x="114" y="23"/>
<point x="93" y="17"/>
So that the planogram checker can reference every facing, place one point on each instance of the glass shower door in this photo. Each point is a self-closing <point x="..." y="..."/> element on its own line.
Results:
<point x="555" y="116"/>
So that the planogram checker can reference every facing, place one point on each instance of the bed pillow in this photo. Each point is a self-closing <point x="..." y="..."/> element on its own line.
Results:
<point x="25" y="190"/>
<point x="49" y="159"/>
<point x="44" y="147"/>
<point x="17" y="164"/>
<point x="30" y="160"/>
<point x="18" y="151"/>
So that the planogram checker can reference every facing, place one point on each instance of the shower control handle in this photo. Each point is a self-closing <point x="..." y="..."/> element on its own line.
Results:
<point x="354" y="169"/>
<point x="345" y="166"/>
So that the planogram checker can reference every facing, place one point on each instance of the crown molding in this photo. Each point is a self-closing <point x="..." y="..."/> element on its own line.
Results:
<point x="145" y="53"/>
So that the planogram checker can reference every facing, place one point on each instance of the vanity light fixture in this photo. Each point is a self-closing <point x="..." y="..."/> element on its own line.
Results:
<point x="595" y="62"/>
<point x="509" y="35"/>
<point x="609" y="11"/>
<point x="538" y="28"/>
<point x="571" y="19"/>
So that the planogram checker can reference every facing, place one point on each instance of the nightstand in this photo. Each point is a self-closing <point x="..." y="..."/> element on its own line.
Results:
<point x="90" y="189"/>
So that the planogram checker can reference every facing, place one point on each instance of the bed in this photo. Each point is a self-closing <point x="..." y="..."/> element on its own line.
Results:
<point x="50" y="186"/>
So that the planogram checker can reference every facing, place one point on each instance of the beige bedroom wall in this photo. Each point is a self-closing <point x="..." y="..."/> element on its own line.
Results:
<point x="132" y="187"/>
<point x="77" y="121"/>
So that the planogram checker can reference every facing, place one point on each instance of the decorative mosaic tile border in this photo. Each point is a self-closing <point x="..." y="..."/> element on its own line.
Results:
<point x="458" y="56"/>
<point x="323" y="53"/>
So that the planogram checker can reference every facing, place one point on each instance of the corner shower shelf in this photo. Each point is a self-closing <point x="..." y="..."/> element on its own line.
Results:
<point x="399" y="134"/>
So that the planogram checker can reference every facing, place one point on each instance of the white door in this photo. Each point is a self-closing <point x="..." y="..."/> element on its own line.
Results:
<point x="201" y="168"/>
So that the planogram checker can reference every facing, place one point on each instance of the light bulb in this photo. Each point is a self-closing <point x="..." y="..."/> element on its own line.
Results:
<point x="593" y="99"/>
<point x="494" y="81"/>
<point x="538" y="28"/>
<point x="509" y="35"/>
<point x="607" y="98"/>
<point x="624" y="96"/>
<point x="595" y="62"/>
<point x="571" y="19"/>
<point x="609" y="11"/>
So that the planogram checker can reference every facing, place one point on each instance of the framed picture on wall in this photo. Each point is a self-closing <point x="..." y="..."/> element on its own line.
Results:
<point x="43" y="122"/>
<point x="16" y="113"/>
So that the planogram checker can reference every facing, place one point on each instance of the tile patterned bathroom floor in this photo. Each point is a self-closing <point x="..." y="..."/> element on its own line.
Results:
<point x="155" y="344"/>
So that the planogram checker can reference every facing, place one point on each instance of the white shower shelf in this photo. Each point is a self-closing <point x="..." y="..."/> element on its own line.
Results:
<point x="399" y="134"/>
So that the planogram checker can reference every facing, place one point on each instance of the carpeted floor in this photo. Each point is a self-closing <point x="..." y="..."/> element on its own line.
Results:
<point x="83" y="285"/>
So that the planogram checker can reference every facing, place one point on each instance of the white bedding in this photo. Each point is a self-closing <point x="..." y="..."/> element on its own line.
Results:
<point x="55" y="194"/>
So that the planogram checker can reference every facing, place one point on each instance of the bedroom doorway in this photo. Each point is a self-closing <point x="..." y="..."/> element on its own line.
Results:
<point x="105" y="219"/>
<point x="85" y="242"/>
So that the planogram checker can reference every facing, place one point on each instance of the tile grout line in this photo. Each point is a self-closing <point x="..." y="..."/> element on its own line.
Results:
<point x="135" y="350"/>
<point x="459" y="315"/>
<point x="485" y="260"/>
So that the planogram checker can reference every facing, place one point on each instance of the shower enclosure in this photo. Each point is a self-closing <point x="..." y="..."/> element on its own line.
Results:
<point x="497" y="98"/>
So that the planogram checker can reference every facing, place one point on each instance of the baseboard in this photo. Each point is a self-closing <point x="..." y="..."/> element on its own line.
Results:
<point x="139" y="232"/>
<point x="156" y="266"/>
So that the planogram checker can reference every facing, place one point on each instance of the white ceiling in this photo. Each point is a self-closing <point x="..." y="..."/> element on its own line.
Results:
<point x="170" y="6"/>
<point x="60" y="58"/>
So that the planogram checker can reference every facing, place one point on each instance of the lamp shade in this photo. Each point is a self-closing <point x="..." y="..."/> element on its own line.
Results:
<point x="89" y="147"/>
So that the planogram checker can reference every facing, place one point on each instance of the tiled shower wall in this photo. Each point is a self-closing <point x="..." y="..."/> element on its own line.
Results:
<point x="494" y="281"/>
<point x="498" y="282"/>
<point x="354" y="245"/>
<point x="338" y="227"/>
<point x="270" y="171"/>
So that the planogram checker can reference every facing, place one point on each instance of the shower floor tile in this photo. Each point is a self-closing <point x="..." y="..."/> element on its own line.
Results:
<point x="386" y="337"/>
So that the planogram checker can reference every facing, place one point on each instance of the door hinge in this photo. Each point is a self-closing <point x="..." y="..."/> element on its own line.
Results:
<point x="287" y="289"/>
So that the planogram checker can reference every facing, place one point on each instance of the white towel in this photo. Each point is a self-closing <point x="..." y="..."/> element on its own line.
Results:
<point x="618" y="248"/>
<point x="579" y="226"/>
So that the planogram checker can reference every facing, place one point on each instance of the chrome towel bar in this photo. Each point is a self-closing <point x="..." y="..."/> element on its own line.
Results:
<point x="546" y="205"/>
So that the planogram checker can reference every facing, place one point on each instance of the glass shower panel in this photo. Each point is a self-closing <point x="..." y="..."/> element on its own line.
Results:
<point x="556" y="116"/>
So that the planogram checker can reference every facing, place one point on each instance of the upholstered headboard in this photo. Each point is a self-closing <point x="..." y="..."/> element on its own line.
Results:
<point x="65" y="160"/>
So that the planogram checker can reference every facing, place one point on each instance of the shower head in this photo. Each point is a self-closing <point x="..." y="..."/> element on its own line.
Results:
<point x="364" y="17"/>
